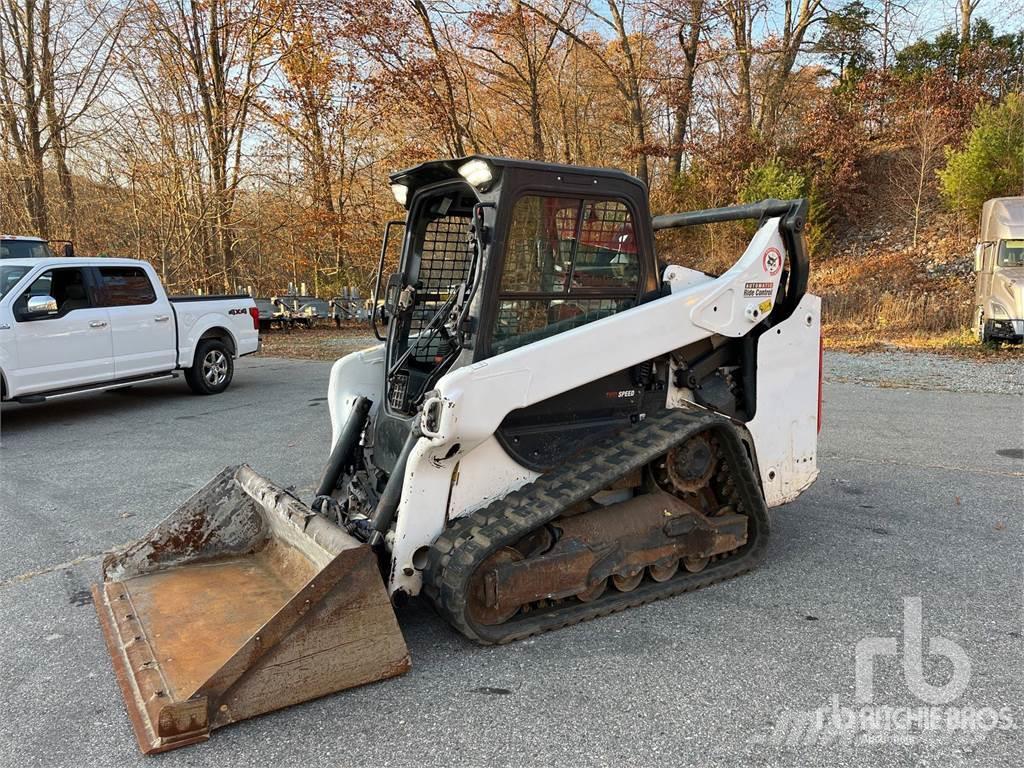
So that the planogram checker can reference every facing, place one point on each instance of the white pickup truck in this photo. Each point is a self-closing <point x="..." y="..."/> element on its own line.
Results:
<point x="72" y="325"/>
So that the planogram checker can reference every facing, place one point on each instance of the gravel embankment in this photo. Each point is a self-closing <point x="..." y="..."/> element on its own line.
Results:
<point x="923" y="370"/>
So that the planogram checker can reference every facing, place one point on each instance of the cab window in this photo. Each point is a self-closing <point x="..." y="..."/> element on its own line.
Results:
<point x="24" y="249"/>
<point x="126" y="286"/>
<point x="568" y="262"/>
<point x="10" y="276"/>
<point x="1011" y="253"/>
<point x="65" y="284"/>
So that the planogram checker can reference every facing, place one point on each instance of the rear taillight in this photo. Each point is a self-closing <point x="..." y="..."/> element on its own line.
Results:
<point x="254" y="312"/>
<point x="821" y="367"/>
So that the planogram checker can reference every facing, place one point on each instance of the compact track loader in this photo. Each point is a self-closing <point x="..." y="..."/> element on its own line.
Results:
<point x="555" y="427"/>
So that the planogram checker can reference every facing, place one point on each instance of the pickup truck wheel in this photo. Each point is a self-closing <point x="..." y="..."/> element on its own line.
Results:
<point x="213" y="368"/>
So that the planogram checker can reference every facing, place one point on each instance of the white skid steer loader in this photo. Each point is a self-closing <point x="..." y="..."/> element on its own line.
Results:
<point x="553" y="429"/>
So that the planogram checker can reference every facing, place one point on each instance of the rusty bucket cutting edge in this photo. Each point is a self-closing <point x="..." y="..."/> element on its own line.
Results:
<point x="241" y="602"/>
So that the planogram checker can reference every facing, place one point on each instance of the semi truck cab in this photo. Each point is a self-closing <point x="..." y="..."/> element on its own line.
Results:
<point x="999" y="266"/>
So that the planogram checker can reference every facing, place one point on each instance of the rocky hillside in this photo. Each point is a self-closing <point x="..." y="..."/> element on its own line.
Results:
<point x="878" y="287"/>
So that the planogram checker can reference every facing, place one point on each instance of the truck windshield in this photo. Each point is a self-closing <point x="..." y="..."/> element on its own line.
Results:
<point x="1011" y="253"/>
<point x="25" y="249"/>
<point x="9" y="277"/>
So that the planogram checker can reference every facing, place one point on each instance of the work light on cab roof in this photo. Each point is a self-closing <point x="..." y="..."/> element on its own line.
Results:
<point x="477" y="172"/>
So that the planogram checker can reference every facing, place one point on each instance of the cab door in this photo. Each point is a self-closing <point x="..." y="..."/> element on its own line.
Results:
<point x="70" y="347"/>
<point x="984" y="276"/>
<point x="142" y="323"/>
<point x="568" y="261"/>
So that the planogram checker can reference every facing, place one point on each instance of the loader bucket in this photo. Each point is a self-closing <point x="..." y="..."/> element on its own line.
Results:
<point x="241" y="602"/>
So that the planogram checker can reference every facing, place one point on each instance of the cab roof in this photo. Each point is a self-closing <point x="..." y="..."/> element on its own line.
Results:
<point x="28" y="238"/>
<point x="442" y="170"/>
<point x="1002" y="218"/>
<point x="71" y="261"/>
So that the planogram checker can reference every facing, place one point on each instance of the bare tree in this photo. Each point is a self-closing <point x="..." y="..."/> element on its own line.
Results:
<point x="912" y="172"/>
<point x="217" y="54"/>
<point x="688" y="20"/>
<point x="740" y="14"/>
<point x="517" y="45"/>
<point x="21" y="103"/>
<point x="54" y="65"/>
<point x="457" y="128"/>
<point x="782" y="59"/>
<point x="626" y="70"/>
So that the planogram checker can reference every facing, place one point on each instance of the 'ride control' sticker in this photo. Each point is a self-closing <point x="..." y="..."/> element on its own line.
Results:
<point x="757" y="290"/>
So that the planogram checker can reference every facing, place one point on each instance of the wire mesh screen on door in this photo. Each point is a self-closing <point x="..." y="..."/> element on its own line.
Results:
<point x="444" y="264"/>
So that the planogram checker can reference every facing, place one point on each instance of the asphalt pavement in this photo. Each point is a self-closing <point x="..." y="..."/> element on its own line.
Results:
<point x="921" y="495"/>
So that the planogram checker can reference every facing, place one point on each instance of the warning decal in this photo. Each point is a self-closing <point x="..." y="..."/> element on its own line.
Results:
<point x="757" y="290"/>
<point x="771" y="260"/>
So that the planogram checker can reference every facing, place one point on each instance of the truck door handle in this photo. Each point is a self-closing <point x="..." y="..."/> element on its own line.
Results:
<point x="98" y="324"/>
<point x="161" y="318"/>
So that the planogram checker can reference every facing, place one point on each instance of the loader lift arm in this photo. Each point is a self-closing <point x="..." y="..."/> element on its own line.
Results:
<point x="460" y="411"/>
<point x="468" y="404"/>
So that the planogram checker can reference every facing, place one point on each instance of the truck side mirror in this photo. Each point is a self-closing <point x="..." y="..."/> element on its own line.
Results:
<point x="69" y="250"/>
<point x="39" y="306"/>
<point x="979" y="257"/>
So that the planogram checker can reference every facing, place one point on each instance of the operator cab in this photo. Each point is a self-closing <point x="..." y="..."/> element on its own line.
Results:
<point x="501" y="253"/>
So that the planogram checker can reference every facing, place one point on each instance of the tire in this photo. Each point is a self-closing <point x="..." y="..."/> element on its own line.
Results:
<point x="982" y="334"/>
<point x="213" y="368"/>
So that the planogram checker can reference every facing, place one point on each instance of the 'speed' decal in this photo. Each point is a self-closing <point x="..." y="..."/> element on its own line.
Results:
<point x="620" y="393"/>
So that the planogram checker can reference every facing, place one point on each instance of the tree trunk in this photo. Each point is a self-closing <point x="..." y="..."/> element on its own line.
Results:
<point x="456" y="131"/>
<point x="535" y="123"/>
<point x="689" y="41"/>
<point x="55" y="120"/>
<point x="34" y="188"/>
<point x="740" y="15"/>
<point x="22" y="117"/>
<point x="793" y="36"/>
<point x="633" y="93"/>
<point x="967" y="8"/>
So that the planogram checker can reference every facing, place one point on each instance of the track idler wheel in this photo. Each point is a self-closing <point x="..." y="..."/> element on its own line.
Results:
<point x="691" y="465"/>
<point x="627" y="582"/>
<point x="695" y="564"/>
<point x="664" y="571"/>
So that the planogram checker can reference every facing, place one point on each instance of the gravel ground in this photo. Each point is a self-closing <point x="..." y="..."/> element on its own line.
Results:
<point x="920" y="370"/>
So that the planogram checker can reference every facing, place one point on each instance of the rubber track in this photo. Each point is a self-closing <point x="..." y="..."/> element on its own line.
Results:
<point x="470" y="540"/>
